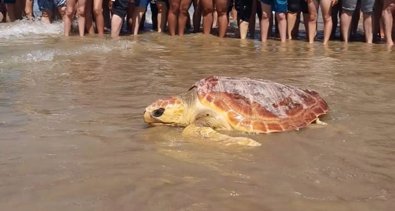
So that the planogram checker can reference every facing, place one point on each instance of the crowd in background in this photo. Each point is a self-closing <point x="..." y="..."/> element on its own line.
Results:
<point x="172" y="16"/>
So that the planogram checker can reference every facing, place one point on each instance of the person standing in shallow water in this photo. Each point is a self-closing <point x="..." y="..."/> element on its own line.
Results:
<point x="280" y="7"/>
<point x="29" y="9"/>
<point x="244" y="10"/>
<point x="326" y="9"/>
<point x="178" y="13"/>
<point x="221" y="6"/>
<point x="70" y="8"/>
<point x="348" y="8"/>
<point x="295" y="7"/>
<point x="119" y="10"/>
<point x="97" y="10"/>
<point x="162" y="6"/>
<point x="388" y="10"/>
<point x="140" y="6"/>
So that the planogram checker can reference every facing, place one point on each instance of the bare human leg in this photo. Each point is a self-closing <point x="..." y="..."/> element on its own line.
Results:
<point x="116" y="25"/>
<point x="345" y="20"/>
<point x="313" y="14"/>
<point x="173" y="16"/>
<point x="46" y="16"/>
<point x="99" y="18"/>
<point x="326" y="9"/>
<point x="388" y="20"/>
<point x="162" y="14"/>
<point x="183" y="16"/>
<point x="70" y="5"/>
<point x="291" y="17"/>
<point x="368" y="27"/>
<point x="221" y="7"/>
<point x="29" y="9"/>
<point x="207" y="10"/>
<point x="81" y="16"/>
<point x="265" y="21"/>
<point x="137" y="16"/>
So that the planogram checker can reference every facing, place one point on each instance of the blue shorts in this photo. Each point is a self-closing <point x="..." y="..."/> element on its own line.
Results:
<point x="277" y="5"/>
<point x="141" y="3"/>
<point x="50" y="4"/>
<point x="350" y="5"/>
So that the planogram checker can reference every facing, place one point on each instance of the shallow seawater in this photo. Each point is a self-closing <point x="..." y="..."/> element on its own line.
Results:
<point x="72" y="135"/>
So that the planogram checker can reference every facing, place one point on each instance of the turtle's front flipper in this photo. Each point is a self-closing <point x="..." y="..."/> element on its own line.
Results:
<point x="209" y="134"/>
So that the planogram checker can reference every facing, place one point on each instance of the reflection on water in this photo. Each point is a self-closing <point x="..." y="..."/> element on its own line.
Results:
<point x="73" y="138"/>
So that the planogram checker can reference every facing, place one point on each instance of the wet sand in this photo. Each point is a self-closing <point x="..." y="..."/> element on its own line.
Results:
<point x="72" y="135"/>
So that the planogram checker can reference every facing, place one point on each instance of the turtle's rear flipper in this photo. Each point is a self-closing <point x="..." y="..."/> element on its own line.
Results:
<point x="209" y="134"/>
<point x="319" y="122"/>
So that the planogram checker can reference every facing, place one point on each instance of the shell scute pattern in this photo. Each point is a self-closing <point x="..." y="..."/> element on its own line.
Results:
<point x="260" y="106"/>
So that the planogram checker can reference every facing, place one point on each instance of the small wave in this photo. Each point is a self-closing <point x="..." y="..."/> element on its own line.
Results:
<point x="35" y="56"/>
<point x="104" y="47"/>
<point x="29" y="57"/>
<point x="45" y="55"/>
<point x="23" y="28"/>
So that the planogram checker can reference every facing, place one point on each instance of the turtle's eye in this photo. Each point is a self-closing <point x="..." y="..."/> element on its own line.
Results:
<point x="158" y="112"/>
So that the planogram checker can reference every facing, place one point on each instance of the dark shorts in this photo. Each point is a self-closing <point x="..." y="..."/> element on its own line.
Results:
<point x="296" y="6"/>
<point x="9" y="1"/>
<point x="244" y="9"/>
<point x="120" y="8"/>
<point x="277" y="5"/>
<point x="155" y="1"/>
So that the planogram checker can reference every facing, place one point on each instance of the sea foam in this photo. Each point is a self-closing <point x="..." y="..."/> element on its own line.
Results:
<point x="26" y="28"/>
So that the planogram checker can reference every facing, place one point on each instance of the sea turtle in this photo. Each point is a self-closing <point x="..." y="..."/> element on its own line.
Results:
<point x="240" y="104"/>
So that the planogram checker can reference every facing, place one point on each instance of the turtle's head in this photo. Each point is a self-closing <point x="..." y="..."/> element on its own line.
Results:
<point x="169" y="111"/>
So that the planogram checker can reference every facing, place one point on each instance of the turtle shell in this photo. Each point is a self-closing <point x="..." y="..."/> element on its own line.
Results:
<point x="260" y="106"/>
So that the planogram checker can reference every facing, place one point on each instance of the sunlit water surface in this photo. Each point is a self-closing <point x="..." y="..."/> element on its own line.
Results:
<point x="72" y="135"/>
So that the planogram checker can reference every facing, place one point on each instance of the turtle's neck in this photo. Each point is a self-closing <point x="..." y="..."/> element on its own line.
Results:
<point x="191" y="106"/>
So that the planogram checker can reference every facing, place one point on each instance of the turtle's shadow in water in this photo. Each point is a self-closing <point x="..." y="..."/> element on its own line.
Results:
<point x="163" y="135"/>
<point x="170" y="143"/>
<point x="171" y="136"/>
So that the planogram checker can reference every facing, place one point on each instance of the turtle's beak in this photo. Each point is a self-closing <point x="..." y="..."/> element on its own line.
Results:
<point x="151" y="121"/>
<point x="148" y="118"/>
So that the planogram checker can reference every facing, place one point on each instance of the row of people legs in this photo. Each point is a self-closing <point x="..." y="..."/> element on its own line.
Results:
<point x="377" y="17"/>
<point x="174" y="14"/>
<point x="66" y="10"/>
<point x="286" y="13"/>
<point x="13" y="10"/>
